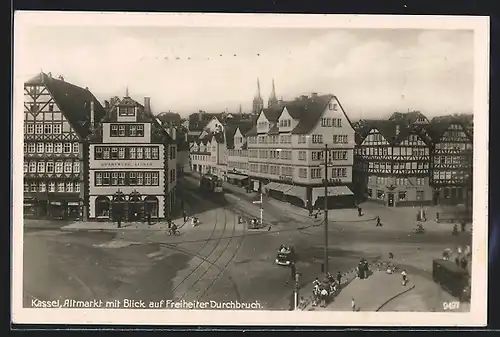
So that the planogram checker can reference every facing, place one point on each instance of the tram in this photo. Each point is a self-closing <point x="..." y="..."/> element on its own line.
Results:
<point x="211" y="183"/>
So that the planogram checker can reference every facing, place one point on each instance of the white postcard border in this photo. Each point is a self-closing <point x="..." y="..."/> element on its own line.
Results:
<point x="476" y="317"/>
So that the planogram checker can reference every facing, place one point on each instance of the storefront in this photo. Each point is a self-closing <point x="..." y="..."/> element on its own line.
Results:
<point x="337" y="197"/>
<point x="130" y="208"/>
<point x="237" y="179"/>
<point x="57" y="206"/>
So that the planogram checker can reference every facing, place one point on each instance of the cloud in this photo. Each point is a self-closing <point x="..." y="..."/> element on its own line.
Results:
<point x="184" y="70"/>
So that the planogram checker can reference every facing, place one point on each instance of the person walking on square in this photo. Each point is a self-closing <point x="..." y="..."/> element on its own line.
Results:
<point x="378" y="222"/>
<point x="339" y="278"/>
<point x="353" y="304"/>
<point x="184" y="215"/>
<point x="404" y="277"/>
<point x="360" y="211"/>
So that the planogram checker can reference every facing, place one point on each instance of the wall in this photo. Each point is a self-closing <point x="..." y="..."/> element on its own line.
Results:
<point x="106" y="128"/>
<point x="161" y="206"/>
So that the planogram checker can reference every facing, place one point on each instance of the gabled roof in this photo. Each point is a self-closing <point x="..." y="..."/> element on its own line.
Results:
<point x="73" y="101"/>
<point x="170" y="117"/>
<point x="199" y="120"/>
<point x="272" y="114"/>
<point x="274" y="130"/>
<point x="252" y="131"/>
<point x="407" y="117"/>
<point x="394" y="132"/>
<point x="439" y="125"/>
<point x="308" y="111"/>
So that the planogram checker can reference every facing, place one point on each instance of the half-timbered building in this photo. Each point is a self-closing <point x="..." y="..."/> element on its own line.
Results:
<point x="393" y="160"/>
<point x="132" y="169"/>
<point x="57" y="118"/>
<point x="451" y="160"/>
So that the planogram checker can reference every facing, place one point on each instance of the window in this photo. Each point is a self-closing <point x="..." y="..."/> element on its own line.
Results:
<point x="302" y="139"/>
<point x="332" y="106"/>
<point x="302" y="173"/>
<point x="76" y="167"/>
<point x="76" y="186"/>
<point x="370" y="193"/>
<point x="380" y="194"/>
<point x="114" y="178"/>
<point x="58" y="147"/>
<point x="40" y="147"/>
<point x="76" y="147"/>
<point x="140" y="130"/>
<point x="154" y="153"/>
<point x="41" y="167"/>
<point x="59" y="167"/>
<point x="114" y="153"/>
<point x="30" y="128"/>
<point x="302" y="155"/>
<point x="317" y="155"/>
<point x="56" y="129"/>
<point x="326" y="122"/>
<point x="34" y="187"/>
<point x="47" y="129"/>
<point x="337" y="122"/>
<point x="402" y="196"/>
<point x="68" y="166"/>
<point x="121" y="130"/>
<point x="52" y="186"/>
<point x="113" y="132"/>
<point x="50" y="167"/>
<point x="31" y="147"/>
<point x="121" y="179"/>
<point x="121" y="153"/>
<point x="132" y="178"/>
<point x="147" y="178"/>
<point x="340" y="139"/>
<point x="339" y="155"/>
<point x="132" y="131"/>
<point x="315" y="173"/>
<point x="420" y="195"/>
<point x="147" y="153"/>
<point x="60" y="187"/>
<point x="39" y="129"/>
<point x="32" y="166"/>
<point x="317" y="139"/>
<point x="338" y="172"/>
<point x="155" y="177"/>
<point x="67" y="147"/>
<point x="42" y="187"/>
<point x="69" y="187"/>
<point x="140" y="178"/>
<point x="49" y="147"/>
<point x="25" y="167"/>
<point x="131" y="152"/>
<point x="98" y="153"/>
<point x="51" y="107"/>
<point x="98" y="178"/>
<point x="139" y="152"/>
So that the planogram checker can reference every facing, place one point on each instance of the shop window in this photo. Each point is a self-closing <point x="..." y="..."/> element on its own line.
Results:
<point x="402" y="196"/>
<point x="380" y="194"/>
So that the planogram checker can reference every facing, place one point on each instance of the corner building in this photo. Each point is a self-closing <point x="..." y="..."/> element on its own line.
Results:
<point x="57" y="119"/>
<point x="132" y="164"/>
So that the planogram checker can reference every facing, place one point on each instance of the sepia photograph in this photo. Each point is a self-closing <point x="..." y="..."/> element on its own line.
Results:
<point x="229" y="169"/>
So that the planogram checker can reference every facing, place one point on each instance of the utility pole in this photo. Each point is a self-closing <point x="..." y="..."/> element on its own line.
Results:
<point x="326" y="208"/>
<point x="261" y="209"/>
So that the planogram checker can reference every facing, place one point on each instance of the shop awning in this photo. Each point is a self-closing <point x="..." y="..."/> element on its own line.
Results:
<point x="283" y="188"/>
<point x="271" y="186"/>
<point x="299" y="192"/>
<point x="334" y="191"/>
<point x="236" y="176"/>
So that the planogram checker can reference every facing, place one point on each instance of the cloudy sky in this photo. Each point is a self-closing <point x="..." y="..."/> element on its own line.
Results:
<point x="372" y="72"/>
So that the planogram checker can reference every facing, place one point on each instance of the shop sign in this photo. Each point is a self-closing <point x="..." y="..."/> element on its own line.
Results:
<point x="73" y="203"/>
<point x="127" y="164"/>
<point x="57" y="203"/>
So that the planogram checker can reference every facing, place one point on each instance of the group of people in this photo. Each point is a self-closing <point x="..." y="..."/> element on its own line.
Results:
<point x="324" y="291"/>
<point x="462" y="257"/>
<point x="362" y="269"/>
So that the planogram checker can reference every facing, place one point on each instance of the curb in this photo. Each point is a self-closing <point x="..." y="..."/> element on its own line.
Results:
<point x="394" y="297"/>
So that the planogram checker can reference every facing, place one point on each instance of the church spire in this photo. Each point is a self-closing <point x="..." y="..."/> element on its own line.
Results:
<point x="258" y="89"/>
<point x="273" y="101"/>
<point x="258" y="102"/>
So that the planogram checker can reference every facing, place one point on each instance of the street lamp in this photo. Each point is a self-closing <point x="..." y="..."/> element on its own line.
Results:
<point x="325" y="181"/>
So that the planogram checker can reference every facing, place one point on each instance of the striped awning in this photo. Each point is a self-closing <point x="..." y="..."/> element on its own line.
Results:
<point x="318" y="192"/>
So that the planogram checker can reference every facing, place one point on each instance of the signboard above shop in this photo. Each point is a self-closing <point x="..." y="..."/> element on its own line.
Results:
<point x="103" y="164"/>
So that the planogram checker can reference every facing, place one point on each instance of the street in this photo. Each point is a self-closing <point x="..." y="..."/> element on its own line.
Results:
<point x="218" y="260"/>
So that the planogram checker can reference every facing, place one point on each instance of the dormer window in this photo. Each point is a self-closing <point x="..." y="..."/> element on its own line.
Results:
<point x="126" y="111"/>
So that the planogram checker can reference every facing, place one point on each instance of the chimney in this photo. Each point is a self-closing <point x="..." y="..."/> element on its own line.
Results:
<point x="147" y="104"/>
<point x="50" y="75"/>
<point x="61" y="78"/>
<point x="314" y="94"/>
<point x="200" y="115"/>
<point x="304" y="97"/>
<point x="92" y="116"/>
<point x="174" y="133"/>
<point x="106" y="104"/>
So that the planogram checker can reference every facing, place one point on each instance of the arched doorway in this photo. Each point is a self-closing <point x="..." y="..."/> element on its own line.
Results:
<point x="135" y="206"/>
<point x="118" y="205"/>
<point x="102" y="206"/>
<point x="152" y="204"/>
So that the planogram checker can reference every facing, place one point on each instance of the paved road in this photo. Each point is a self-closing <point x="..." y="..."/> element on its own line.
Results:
<point x="217" y="260"/>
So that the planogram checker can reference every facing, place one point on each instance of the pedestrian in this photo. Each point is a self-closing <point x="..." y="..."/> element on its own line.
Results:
<point x="378" y="222"/>
<point x="391" y="256"/>
<point x="463" y="262"/>
<point x="462" y="224"/>
<point x="404" y="277"/>
<point x="119" y="219"/>
<point x="169" y="223"/>
<point x="360" y="211"/>
<point x="459" y="250"/>
<point x="339" y="278"/>
<point x="184" y="215"/>
<point x="353" y="304"/>
<point x="457" y="261"/>
<point x="324" y="295"/>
